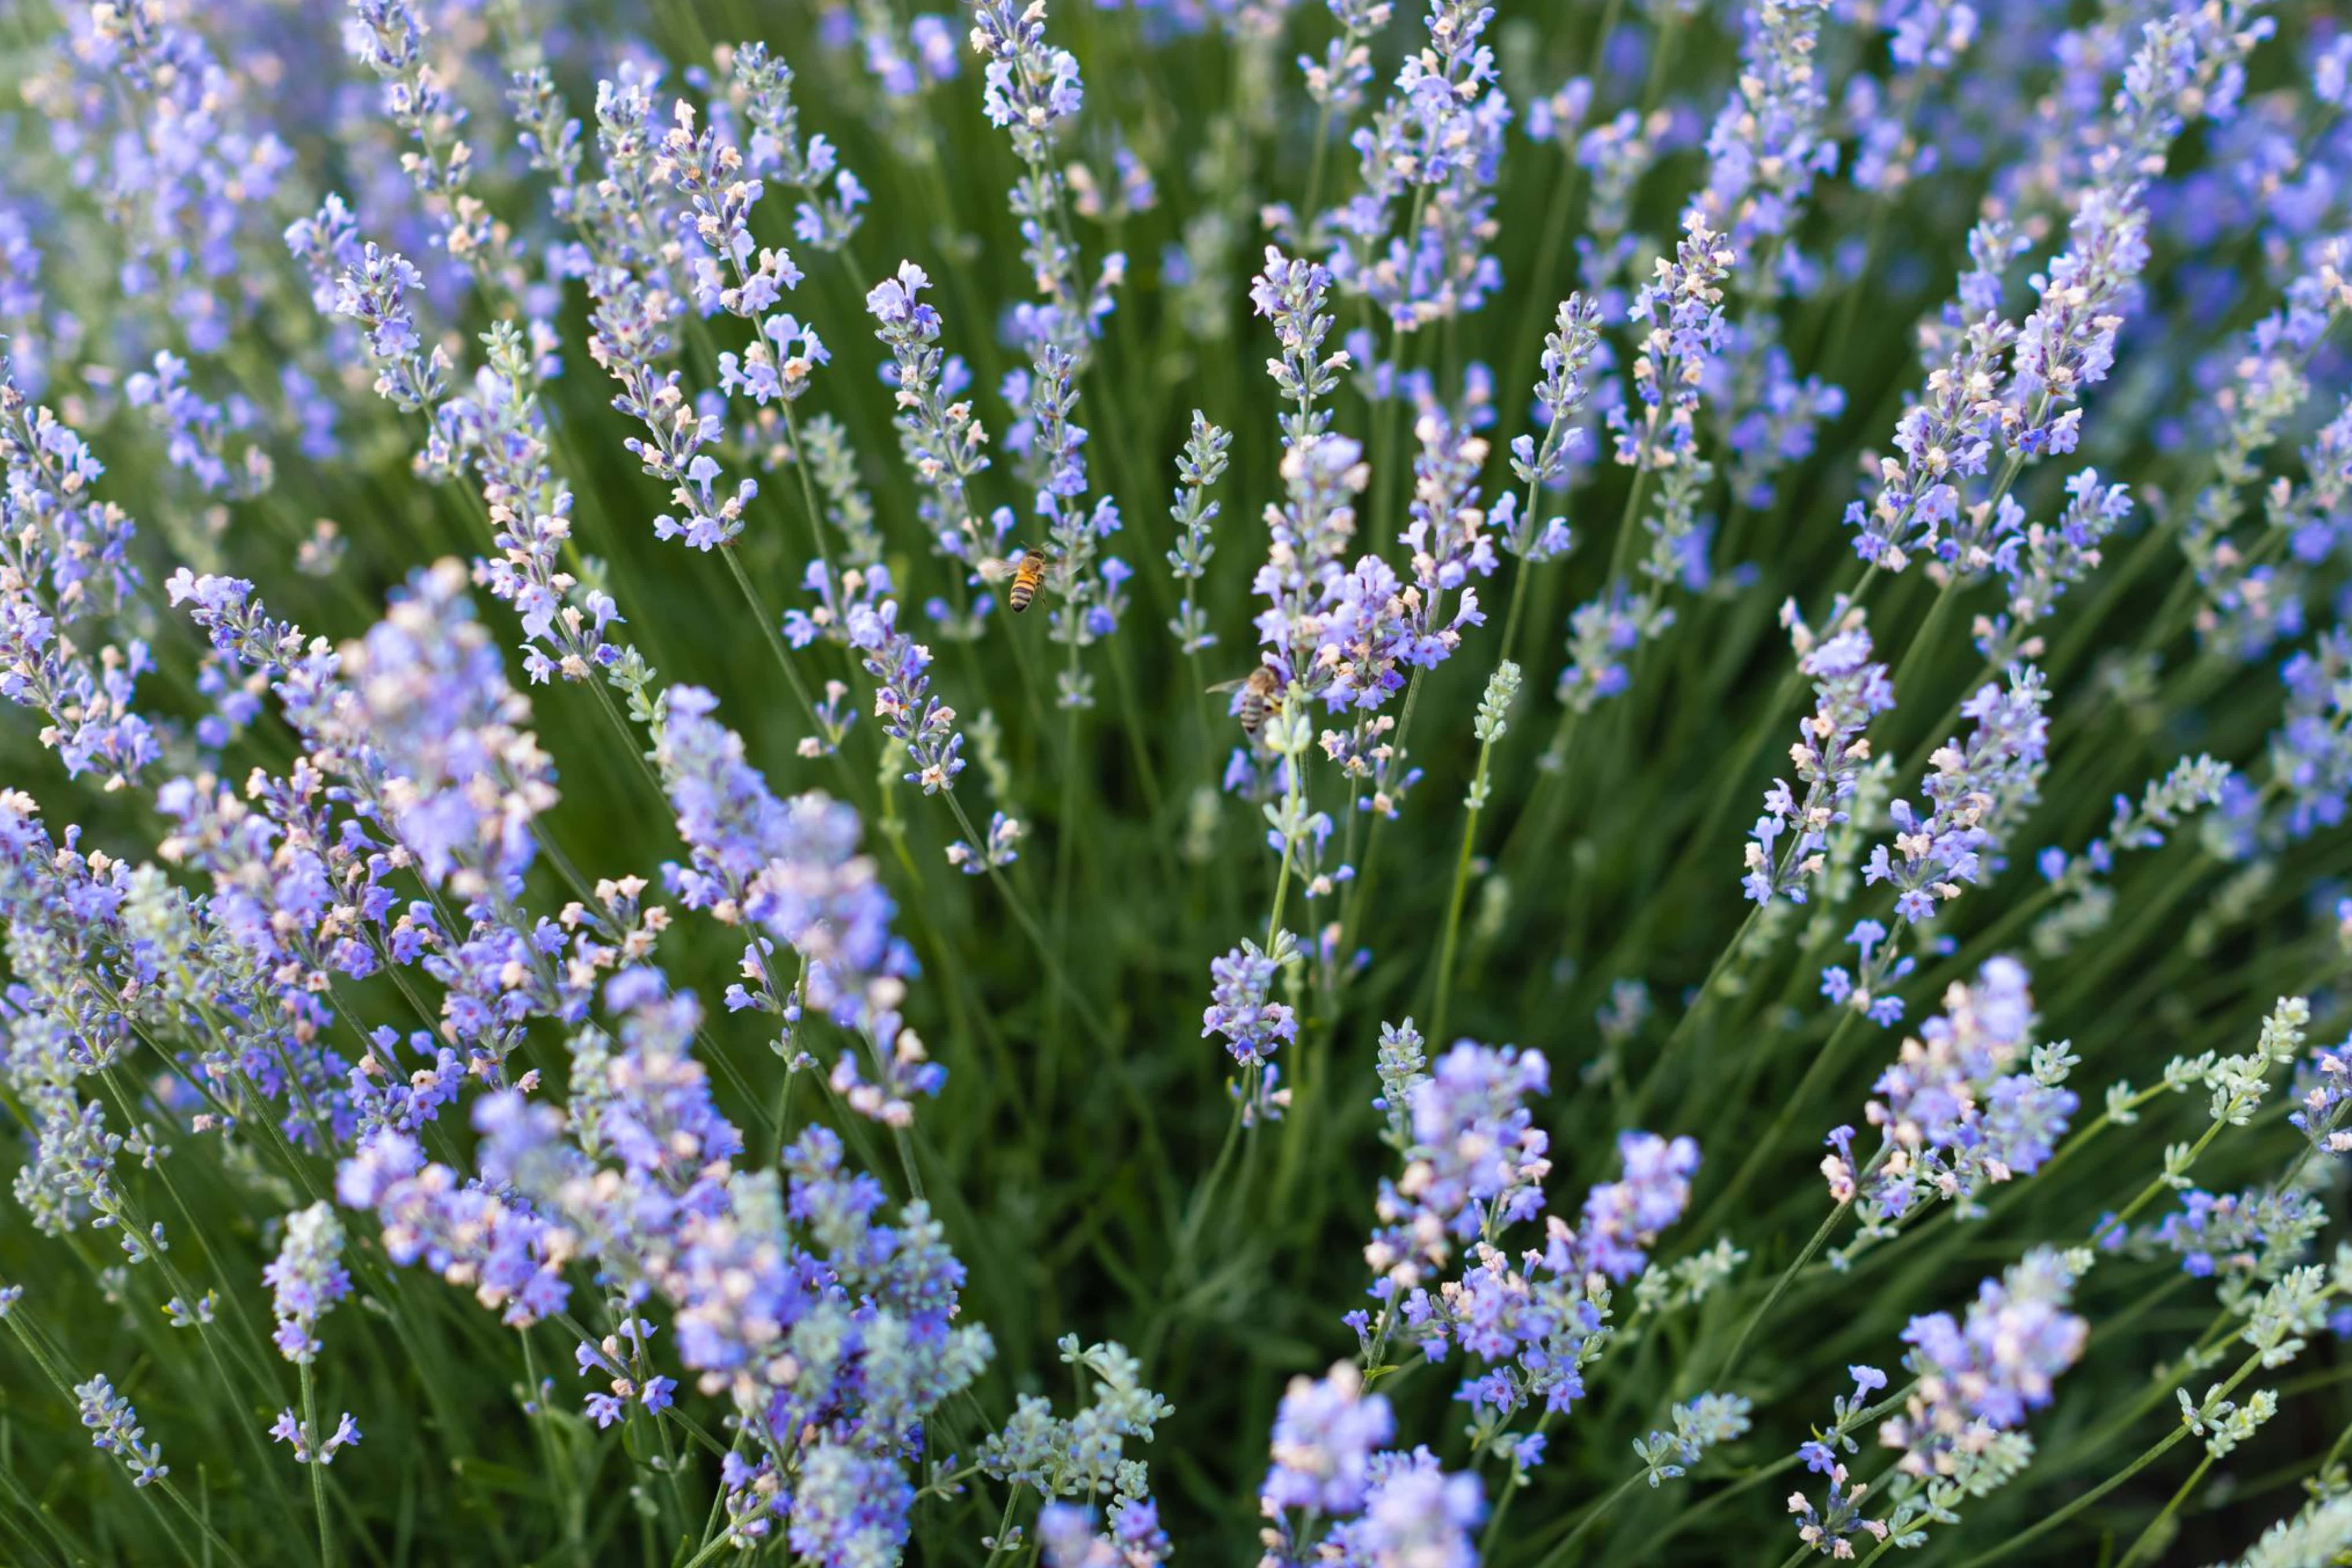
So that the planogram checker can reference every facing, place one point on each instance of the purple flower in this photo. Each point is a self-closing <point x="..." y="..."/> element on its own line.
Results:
<point x="65" y="575"/>
<point x="2241" y="1237"/>
<point x="470" y="1236"/>
<point x="1829" y="756"/>
<point x="307" y="1279"/>
<point x="1434" y="147"/>
<point x="114" y="1429"/>
<point x="788" y="868"/>
<point x="1447" y="535"/>
<point x="1569" y="351"/>
<point x="1622" y="1219"/>
<point x="1254" y="1027"/>
<point x="1975" y="793"/>
<point x="2323" y="1090"/>
<point x="1479" y="1147"/>
<point x="1415" y="1516"/>
<point x="1302" y="579"/>
<point x="2041" y="562"/>
<point x="1325" y="1435"/>
<point x="1029" y="84"/>
<point x="1985" y="1373"/>
<point x="1968" y="1102"/>
<point x="373" y="292"/>
<point x="424" y="694"/>
<point x="307" y="1448"/>
<point x="938" y="433"/>
<point x="1291" y="294"/>
<point x="1765" y="144"/>
<point x="1679" y="316"/>
<point x="903" y="700"/>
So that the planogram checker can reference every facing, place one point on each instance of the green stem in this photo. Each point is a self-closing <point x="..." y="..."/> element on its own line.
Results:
<point x="1294" y="766"/>
<point x="1461" y="887"/>
<point x="1591" y="1517"/>
<point x="775" y="642"/>
<point x="1004" y="1526"/>
<point x="2162" y="1447"/>
<point x="1764" y="1308"/>
<point x="808" y="496"/>
<point x="1761" y="1149"/>
<point x="2148" y="1537"/>
<point x="2054" y="1519"/>
<point x="1661" y="1072"/>
<point x="316" y="1465"/>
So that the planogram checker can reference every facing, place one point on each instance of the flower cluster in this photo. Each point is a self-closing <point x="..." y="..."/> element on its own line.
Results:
<point x="1829" y="756"/>
<point x="1085" y="1456"/>
<point x="1974" y="794"/>
<point x="66" y="571"/>
<point x="1331" y="1464"/>
<point x="787" y="868"/>
<point x="307" y="1278"/>
<point x="1955" y="1114"/>
<point x="1984" y="1374"/>
<point x="1200" y="467"/>
<point x="938" y="433"/>
<point x="114" y="1429"/>
<point x="1679" y="314"/>
<point x="309" y="1448"/>
<point x="1435" y="146"/>
<point x="1957" y="1430"/>
<point x="1767" y="145"/>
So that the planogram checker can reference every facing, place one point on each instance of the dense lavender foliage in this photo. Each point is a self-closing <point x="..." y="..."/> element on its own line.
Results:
<point x="659" y="652"/>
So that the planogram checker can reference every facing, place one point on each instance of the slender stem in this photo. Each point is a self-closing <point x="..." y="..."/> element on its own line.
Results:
<point x="1764" y="1308"/>
<point x="1512" y="1485"/>
<point x="1461" y="885"/>
<point x="1293" y="765"/>
<point x="315" y="1464"/>
<point x="1923" y="638"/>
<point x="1315" y="168"/>
<point x="1591" y="1517"/>
<point x="2157" y="1187"/>
<point x="1004" y="1526"/>
<point x="2054" y="1519"/>
<point x="1357" y="896"/>
<point x="1661" y="1072"/>
<point x="1761" y="1149"/>
<point x="808" y="496"/>
<point x="774" y="639"/>
<point x="1206" y="1198"/>
<point x="723" y="1542"/>
<point x="2147" y="1539"/>
<point x="1507" y="647"/>
<point x="1623" y="540"/>
<point x="1067" y="835"/>
<point x="2162" y="1447"/>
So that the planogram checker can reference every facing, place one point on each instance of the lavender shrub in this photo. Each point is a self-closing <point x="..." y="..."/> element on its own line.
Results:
<point x="585" y="983"/>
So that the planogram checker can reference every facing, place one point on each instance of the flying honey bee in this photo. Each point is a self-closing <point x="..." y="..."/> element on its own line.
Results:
<point x="1261" y="691"/>
<point x="1026" y="576"/>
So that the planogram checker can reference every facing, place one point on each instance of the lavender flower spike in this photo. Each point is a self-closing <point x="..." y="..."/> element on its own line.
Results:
<point x="1829" y="756"/>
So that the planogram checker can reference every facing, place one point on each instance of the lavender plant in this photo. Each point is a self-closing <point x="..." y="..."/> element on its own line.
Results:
<point x="524" y="1036"/>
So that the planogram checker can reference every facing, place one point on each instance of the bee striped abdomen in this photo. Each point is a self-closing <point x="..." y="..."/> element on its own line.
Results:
<point x="1025" y="578"/>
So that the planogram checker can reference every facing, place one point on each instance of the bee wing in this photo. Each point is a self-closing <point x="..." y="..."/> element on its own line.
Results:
<point x="1235" y="684"/>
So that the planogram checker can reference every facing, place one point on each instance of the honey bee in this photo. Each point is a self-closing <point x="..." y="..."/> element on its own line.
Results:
<point x="1026" y="576"/>
<point x="1261" y="691"/>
